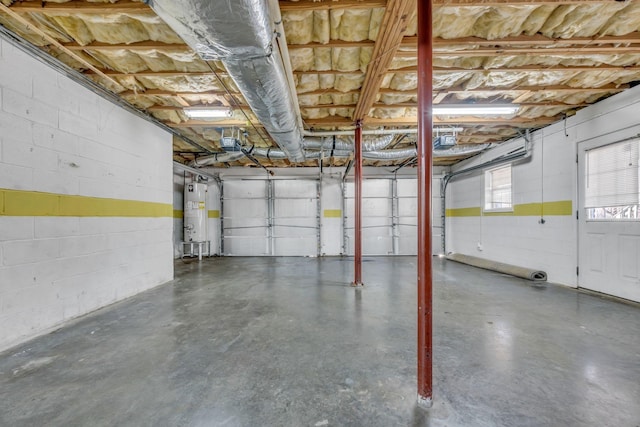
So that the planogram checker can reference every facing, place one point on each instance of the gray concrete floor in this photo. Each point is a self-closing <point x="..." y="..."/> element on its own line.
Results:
<point x="284" y="342"/>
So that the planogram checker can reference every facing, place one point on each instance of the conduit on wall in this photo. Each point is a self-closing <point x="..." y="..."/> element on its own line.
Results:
<point x="500" y="267"/>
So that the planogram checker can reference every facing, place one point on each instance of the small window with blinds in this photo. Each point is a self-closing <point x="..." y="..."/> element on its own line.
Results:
<point x="611" y="182"/>
<point x="497" y="189"/>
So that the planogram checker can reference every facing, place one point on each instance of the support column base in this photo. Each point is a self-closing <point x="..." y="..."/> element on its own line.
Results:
<point x="357" y="285"/>
<point x="425" y="402"/>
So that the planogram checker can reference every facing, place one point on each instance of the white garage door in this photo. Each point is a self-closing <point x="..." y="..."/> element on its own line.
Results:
<point x="277" y="217"/>
<point x="245" y="222"/>
<point x="296" y="218"/>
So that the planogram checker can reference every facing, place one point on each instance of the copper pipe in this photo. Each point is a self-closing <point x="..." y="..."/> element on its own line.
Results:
<point x="357" y="281"/>
<point x="425" y="157"/>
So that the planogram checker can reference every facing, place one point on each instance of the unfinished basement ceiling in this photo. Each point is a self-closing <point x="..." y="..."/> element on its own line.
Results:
<point x="350" y="59"/>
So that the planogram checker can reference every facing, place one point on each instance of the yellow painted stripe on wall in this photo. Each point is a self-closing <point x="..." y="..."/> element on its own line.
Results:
<point x="214" y="214"/>
<point x="34" y="203"/>
<point x="463" y="212"/>
<point x="561" y="207"/>
<point x="333" y="213"/>
<point x="178" y="214"/>
<point x="557" y="208"/>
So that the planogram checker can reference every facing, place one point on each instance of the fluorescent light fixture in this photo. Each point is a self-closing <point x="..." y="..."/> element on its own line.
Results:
<point x="475" y="110"/>
<point x="208" y="113"/>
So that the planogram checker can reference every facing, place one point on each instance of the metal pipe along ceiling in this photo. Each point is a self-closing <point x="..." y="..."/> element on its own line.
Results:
<point x="240" y="34"/>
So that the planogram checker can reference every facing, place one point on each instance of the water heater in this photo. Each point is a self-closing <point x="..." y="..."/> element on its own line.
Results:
<point x="195" y="212"/>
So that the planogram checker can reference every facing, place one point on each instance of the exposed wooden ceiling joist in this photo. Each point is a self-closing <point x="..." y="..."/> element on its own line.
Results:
<point x="519" y="69"/>
<point x="330" y="4"/>
<point x="150" y="73"/>
<point x="497" y="91"/>
<point x="442" y="51"/>
<point x="409" y="42"/>
<point x="396" y="18"/>
<point x="413" y="121"/>
<point x="520" y="51"/>
<point x="447" y="3"/>
<point x="161" y="92"/>
<point x="76" y="6"/>
<point x="415" y="105"/>
<point x="146" y="45"/>
<point x="350" y="4"/>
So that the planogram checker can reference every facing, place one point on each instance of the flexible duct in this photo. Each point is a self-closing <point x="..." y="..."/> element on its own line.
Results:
<point x="239" y="33"/>
<point x="393" y="154"/>
<point x="345" y="143"/>
<point x="217" y="158"/>
<point x="500" y="267"/>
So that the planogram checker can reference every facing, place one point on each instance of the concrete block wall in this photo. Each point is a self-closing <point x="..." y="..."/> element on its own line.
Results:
<point x="545" y="187"/>
<point x="542" y="238"/>
<point x="85" y="200"/>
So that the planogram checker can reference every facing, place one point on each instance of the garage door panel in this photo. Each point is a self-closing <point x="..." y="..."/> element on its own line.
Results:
<point x="246" y="246"/>
<point x="296" y="208"/>
<point x="284" y="189"/>
<point x="245" y="208"/>
<point x="296" y="246"/>
<point x="242" y="189"/>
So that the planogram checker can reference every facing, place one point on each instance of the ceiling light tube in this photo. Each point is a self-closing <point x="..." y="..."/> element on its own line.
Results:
<point x="475" y="110"/>
<point x="208" y="113"/>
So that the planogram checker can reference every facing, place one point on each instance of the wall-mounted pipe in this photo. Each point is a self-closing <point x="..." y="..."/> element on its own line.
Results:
<point x="521" y="153"/>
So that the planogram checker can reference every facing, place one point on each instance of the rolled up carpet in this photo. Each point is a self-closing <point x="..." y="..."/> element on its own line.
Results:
<point x="525" y="273"/>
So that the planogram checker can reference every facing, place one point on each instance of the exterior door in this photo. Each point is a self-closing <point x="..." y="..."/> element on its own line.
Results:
<point x="609" y="220"/>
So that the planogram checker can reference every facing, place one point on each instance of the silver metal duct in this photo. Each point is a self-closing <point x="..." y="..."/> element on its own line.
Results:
<point x="393" y="154"/>
<point x="216" y="158"/>
<point x="345" y="143"/>
<point x="240" y="34"/>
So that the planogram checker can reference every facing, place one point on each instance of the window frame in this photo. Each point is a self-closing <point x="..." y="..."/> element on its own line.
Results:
<point x="591" y="213"/>
<point x="486" y="174"/>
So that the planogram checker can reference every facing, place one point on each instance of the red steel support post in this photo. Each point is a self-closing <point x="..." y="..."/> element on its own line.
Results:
<point x="425" y="157"/>
<point x="357" y="281"/>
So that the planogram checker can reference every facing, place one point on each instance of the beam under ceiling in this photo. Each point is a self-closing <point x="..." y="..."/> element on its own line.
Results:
<point x="412" y="121"/>
<point x="493" y="90"/>
<point x="520" y="69"/>
<point x="85" y="7"/>
<point x="330" y="4"/>
<point x="351" y="4"/>
<point x="408" y="42"/>
<point x="397" y="16"/>
<point x="408" y="50"/>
